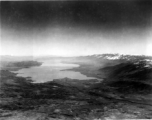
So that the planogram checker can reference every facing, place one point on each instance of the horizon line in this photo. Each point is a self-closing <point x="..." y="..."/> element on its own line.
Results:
<point x="71" y="55"/>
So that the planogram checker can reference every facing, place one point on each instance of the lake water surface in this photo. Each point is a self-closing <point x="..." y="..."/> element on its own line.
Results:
<point x="50" y="70"/>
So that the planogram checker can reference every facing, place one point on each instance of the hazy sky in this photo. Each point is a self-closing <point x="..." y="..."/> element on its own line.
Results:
<point x="76" y="28"/>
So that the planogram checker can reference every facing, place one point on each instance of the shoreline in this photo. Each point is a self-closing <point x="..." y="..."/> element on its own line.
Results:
<point x="71" y="68"/>
<point x="85" y="71"/>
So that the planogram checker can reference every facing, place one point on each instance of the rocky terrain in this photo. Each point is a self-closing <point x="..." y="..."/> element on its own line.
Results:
<point x="123" y="91"/>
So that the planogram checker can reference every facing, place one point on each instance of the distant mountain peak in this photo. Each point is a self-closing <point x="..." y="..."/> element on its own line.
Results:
<point x="116" y="56"/>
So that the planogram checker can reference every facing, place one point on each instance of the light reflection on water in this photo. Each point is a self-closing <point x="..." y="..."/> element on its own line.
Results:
<point x="51" y="70"/>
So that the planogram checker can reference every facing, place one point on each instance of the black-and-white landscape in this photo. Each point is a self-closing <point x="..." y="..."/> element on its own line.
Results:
<point x="76" y="60"/>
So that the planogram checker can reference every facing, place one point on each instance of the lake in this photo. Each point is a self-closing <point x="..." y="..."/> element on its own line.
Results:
<point x="50" y="70"/>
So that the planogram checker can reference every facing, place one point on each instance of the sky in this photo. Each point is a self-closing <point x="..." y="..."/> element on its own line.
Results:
<point x="73" y="28"/>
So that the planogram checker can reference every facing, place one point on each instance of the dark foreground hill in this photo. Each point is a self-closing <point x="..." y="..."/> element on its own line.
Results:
<point x="127" y="81"/>
<point x="129" y="77"/>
